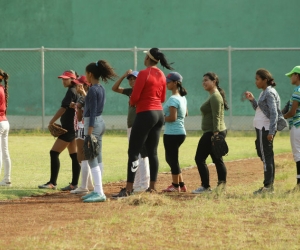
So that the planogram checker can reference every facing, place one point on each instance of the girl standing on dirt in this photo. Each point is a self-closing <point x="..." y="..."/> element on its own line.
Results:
<point x="142" y="175"/>
<point x="148" y="93"/>
<point x="93" y="121"/>
<point x="212" y="124"/>
<point x="267" y="120"/>
<point x="293" y="116"/>
<point x="82" y="87"/>
<point x="175" y="110"/>
<point x="4" y="130"/>
<point x="67" y="140"/>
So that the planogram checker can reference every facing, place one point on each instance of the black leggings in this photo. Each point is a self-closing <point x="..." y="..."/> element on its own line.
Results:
<point x="172" y="144"/>
<point x="145" y="130"/>
<point x="203" y="151"/>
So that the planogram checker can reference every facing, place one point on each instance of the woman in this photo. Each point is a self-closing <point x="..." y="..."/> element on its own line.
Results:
<point x="212" y="124"/>
<point x="93" y="121"/>
<point x="293" y="116"/>
<point x="82" y="87"/>
<point x="4" y="130"/>
<point x="267" y="120"/>
<point x="148" y="93"/>
<point x="175" y="110"/>
<point x="67" y="140"/>
<point x="142" y="175"/>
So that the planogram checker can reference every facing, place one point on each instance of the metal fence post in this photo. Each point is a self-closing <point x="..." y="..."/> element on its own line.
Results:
<point x="43" y="85"/>
<point x="135" y="57"/>
<point x="230" y="86"/>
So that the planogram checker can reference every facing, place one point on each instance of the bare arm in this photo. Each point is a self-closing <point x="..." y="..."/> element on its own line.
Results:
<point x="116" y="87"/>
<point x="58" y="114"/>
<point x="292" y="111"/>
<point x="173" y="115"/>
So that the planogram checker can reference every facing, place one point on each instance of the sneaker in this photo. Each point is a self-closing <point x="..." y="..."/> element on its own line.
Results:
<point x="201" y="190"/>
<point x="48" y="185"/>
<point x="69" y="187"/>
<point x="183" y="189"/>
<point x="264" y="190"/>
<point x="5" y="183"/>
<point x="150" y="190"/>
<point x="221" y="187"/>
<point x="122" y="194"/>
<point x="171" y="188"/>
<point x="95" y="198"/>
<point x="88" y="195"/>
<point x="79" y="190"/>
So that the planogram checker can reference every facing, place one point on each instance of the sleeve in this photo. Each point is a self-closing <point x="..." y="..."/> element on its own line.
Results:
<point x="216" y="108"/>
<point x="69" y="97"/>
<point x="270" y="98"/>
<point x="173" y="102"/>
<point x="296" y="95"/>
<point x="254" y="104"/>
<point x="138" y="87"/>
<point x="92" y="105"/>
<point x="127" y="91"/>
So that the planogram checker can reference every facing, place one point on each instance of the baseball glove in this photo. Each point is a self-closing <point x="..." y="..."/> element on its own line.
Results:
<point x="91" y="147"/>
<point x="219" y="145"/>
<point x="56" y="130"/>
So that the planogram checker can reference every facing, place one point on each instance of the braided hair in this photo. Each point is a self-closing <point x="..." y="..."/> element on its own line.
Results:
<point x="4" y="76"/>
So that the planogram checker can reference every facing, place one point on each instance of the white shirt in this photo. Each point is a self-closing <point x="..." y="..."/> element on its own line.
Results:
<point x="260" y="120"/>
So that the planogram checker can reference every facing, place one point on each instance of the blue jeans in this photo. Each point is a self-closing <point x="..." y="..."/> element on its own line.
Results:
<point x="98" y="131"/>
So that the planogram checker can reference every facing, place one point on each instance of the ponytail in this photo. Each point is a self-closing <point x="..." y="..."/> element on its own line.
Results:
<point x="213" y="77"/>
<point x="101" y="69"/>
<point x="182" y="90"/>
<point x="4" y="76"/>
<point x="159" y="56"/>
<point x="265" y="74"/>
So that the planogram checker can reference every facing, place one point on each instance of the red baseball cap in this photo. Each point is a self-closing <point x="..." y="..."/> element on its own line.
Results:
<point x="81" y="80"/>
<point x="68" y="75"/>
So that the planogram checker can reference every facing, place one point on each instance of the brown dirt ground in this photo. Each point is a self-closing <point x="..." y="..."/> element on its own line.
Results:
<point x="27" y="216"/>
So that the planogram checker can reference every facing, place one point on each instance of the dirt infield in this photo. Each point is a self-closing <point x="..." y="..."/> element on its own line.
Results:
<point x="29" y="215"/>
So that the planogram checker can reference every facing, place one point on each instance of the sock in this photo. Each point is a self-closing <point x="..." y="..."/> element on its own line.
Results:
<point x="298" y="172"/>
<point x="181" y="184"/>
<point x="90" y="185"/>
<point x="75" y="169"/>
<point x="84" y="174"/>
<point x="96" y="173"/>
<point x="175" y="185"/>
<point x="101" y="166"/>
<point x="54" y="166"/>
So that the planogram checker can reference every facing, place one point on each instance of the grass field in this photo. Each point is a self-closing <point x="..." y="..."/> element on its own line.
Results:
<point x="31" y="160"/>
<point x="235" y="220"/>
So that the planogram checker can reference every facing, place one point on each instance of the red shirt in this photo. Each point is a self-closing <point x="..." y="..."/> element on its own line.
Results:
<point x="2" y="105"/>
<point x="149" y="90"/>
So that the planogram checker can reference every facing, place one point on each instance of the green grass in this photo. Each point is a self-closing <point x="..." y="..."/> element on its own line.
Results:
<point x="31" y="160"/>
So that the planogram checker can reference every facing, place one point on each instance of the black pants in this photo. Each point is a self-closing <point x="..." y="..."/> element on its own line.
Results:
<point x="145" y="130"/>
<point x="264" y="150"/>
<point x="203" y="151"/>
<point x="172" y="144"/>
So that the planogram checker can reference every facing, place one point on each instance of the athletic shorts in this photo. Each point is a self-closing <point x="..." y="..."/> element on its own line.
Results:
<point x="68" y="137"/>
<point x="80" y="134"/>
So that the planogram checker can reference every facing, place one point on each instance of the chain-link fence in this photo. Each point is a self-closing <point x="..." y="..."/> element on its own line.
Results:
<point x="35" y="92"/>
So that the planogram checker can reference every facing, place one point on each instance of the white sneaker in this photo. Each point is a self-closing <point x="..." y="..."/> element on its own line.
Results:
<point x="4" y="183"/>
<point x="79" y="190"/>
<point x="201" y="190"/>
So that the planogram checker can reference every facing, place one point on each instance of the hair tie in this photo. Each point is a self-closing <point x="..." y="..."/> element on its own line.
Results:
<point x="97" y="64"/>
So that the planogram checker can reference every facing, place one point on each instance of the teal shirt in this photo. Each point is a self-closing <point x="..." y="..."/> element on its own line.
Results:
<point x="213" y="114"/>
<point x="295" y="120"/>
<point x="176" y="127"/>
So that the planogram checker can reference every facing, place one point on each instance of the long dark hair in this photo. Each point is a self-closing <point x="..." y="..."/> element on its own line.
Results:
<point x="159" y="56"/>
<point x="101" y="69"/>
<point x="213" y="77"/>
<point x="5" y="76"/>
<point x="182" y="90"/>
<point x="265" y="74"/>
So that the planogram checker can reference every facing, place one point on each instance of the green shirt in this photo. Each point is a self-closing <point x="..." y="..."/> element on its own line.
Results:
<point x="213" y="114"/>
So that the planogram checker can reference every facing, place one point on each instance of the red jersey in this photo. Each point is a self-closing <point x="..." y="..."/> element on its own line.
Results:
<point x="149" y="90"/>
<point x="2" y="105"/>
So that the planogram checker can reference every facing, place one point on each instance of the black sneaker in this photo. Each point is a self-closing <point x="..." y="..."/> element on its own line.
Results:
<point x="47" y="185"/>
<point x="150" y="190"/>
<point x="264" y="190"/>
<point x="69" y="187"/>
<point x="122" y="194"/>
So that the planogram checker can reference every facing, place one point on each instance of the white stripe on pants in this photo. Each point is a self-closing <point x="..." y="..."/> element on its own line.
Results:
<point x="295" y="142"/>
<point x="4" y="153"/>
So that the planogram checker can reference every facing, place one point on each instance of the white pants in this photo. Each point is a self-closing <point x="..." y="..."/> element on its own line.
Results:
<point x="4" y="154"/>
<point x="142" y="175"/>
<point x="295" y="142"/>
